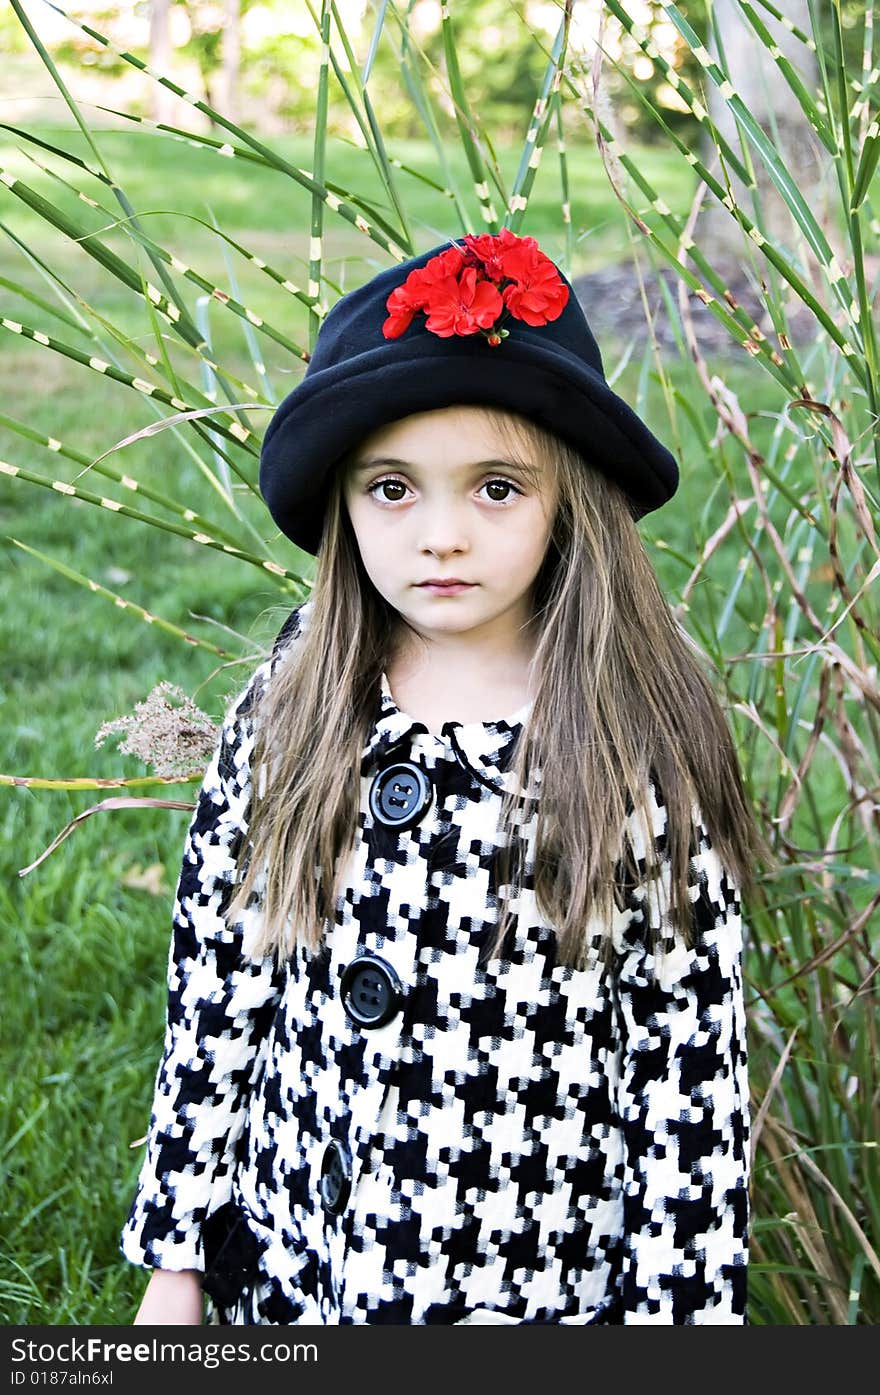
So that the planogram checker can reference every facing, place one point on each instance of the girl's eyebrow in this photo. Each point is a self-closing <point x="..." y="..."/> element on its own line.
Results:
<point x="361" y="466"/>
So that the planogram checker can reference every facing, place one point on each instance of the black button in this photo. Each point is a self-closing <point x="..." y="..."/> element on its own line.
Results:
<point x="335" y="1178"/>
<point x="400" y="795"/>
<point x="371" y="991"/>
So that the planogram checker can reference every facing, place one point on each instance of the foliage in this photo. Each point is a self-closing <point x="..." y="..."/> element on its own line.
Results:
<point x="770" y="561"/>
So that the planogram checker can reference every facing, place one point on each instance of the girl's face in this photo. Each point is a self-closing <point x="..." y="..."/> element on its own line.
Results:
<point x="435" y="496"/>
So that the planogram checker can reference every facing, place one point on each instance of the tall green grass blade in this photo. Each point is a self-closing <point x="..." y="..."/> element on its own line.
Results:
<point x="156" y="496"/>
<point x="420" y="101"/>
<point x="870" y="74"/>
<point x="467" y="126"/>
<point x="682" y="89"/>
<point x="867" y="166"/>
<point x="864" y="312"/>
<point x="318" y="158"/>
<point x="855" y="1289"/>
<point x="235" y="432"/>
<point x="70" y="299"/>
<point x="368" y="122"/>
<point x="563" y="179"/>
<point x="92" y="782"/>
<point x="146" y="615"/>
<point x="536" y="136"/>
<point x="817" y="119"/>
<point x="94" y="248"/>
<point x="287" y="579"/>
<point x="200" y="141"/>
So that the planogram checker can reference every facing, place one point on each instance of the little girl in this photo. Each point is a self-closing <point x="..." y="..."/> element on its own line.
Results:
<point x="456" y="1029"/>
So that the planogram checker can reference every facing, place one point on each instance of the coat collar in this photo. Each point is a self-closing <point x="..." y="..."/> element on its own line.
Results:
<point x="484" y="748"/>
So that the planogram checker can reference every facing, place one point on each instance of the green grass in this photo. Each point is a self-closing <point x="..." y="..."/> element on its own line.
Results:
<point x="83" y="955"/>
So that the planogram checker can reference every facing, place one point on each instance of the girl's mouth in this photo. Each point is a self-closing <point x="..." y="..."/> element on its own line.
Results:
<point x="445" y="588"/>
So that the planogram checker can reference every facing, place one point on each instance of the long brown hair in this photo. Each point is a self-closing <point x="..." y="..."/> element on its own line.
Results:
<point x="621" y="700"/>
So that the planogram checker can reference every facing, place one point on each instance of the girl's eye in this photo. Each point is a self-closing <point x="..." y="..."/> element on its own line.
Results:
<point x="505" y="484"/>
<point x="387" y="484"/>
<point x="390" y="483"/>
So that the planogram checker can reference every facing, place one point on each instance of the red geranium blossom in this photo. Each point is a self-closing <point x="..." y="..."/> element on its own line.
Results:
<point x="463" y="305"/>
<point x="538" y="294"/>
<point x="406" y="300"/>
<point x="464" y="290"/>
<point x="446" y="263"/>
<point x="401" y="305"/>
<point x="494" y="250"/>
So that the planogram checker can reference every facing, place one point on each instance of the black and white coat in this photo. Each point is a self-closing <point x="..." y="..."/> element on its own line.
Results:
<point x="521" y="1142"/>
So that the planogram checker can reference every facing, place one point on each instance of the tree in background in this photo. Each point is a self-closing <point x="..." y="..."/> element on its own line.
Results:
<point x="774" y="105"/>
<point x="160" y="57"/>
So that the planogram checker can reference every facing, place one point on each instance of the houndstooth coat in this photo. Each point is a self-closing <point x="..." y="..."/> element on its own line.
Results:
<point x="514" y="1142"/>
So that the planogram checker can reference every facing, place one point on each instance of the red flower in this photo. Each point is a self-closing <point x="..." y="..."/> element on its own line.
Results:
<point x="538" y="293"/>
<point x="494" y="251"/>
<point x="446" y="263"/>
<point x="406" y="300"/>
<point x="401" y="306"/>
<point x="463" y="291"/>
<point x="462" y="306"/>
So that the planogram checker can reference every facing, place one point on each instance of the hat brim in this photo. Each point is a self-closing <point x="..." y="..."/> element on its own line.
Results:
<point x="329" y="412"/>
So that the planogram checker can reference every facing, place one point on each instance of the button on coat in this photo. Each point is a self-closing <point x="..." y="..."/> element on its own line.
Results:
<point x="371" y="991"/>
<point x="518" y="1141"/>
<point x="400" y="796"/>
<point x="335" y="1177"/>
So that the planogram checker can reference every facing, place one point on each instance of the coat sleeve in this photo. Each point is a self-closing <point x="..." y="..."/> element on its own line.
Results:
<point x="683" y="1102"/>
<point x="221" y="1002"/>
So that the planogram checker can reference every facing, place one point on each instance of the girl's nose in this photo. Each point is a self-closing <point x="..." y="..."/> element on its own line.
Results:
<point x="445" y="547"/>
<point x="443" y="533"/>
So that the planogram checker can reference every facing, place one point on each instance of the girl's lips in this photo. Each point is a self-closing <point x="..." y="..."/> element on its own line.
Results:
<point x="445" y="588"/>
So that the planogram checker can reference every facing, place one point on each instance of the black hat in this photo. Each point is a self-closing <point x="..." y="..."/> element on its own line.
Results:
<point x="487" y="320"/>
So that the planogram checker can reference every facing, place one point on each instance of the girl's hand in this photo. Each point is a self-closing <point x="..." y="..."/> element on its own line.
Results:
<point x="171" y="1299"/>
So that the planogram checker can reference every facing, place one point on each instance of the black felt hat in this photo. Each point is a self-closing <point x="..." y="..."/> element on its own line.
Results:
<point x="482" y="320"/>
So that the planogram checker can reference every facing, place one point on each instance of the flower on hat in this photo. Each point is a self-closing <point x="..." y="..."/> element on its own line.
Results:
<point x="462" y="305"/>
<point x="418" y="288"/>
<point x="469" y="290"/>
